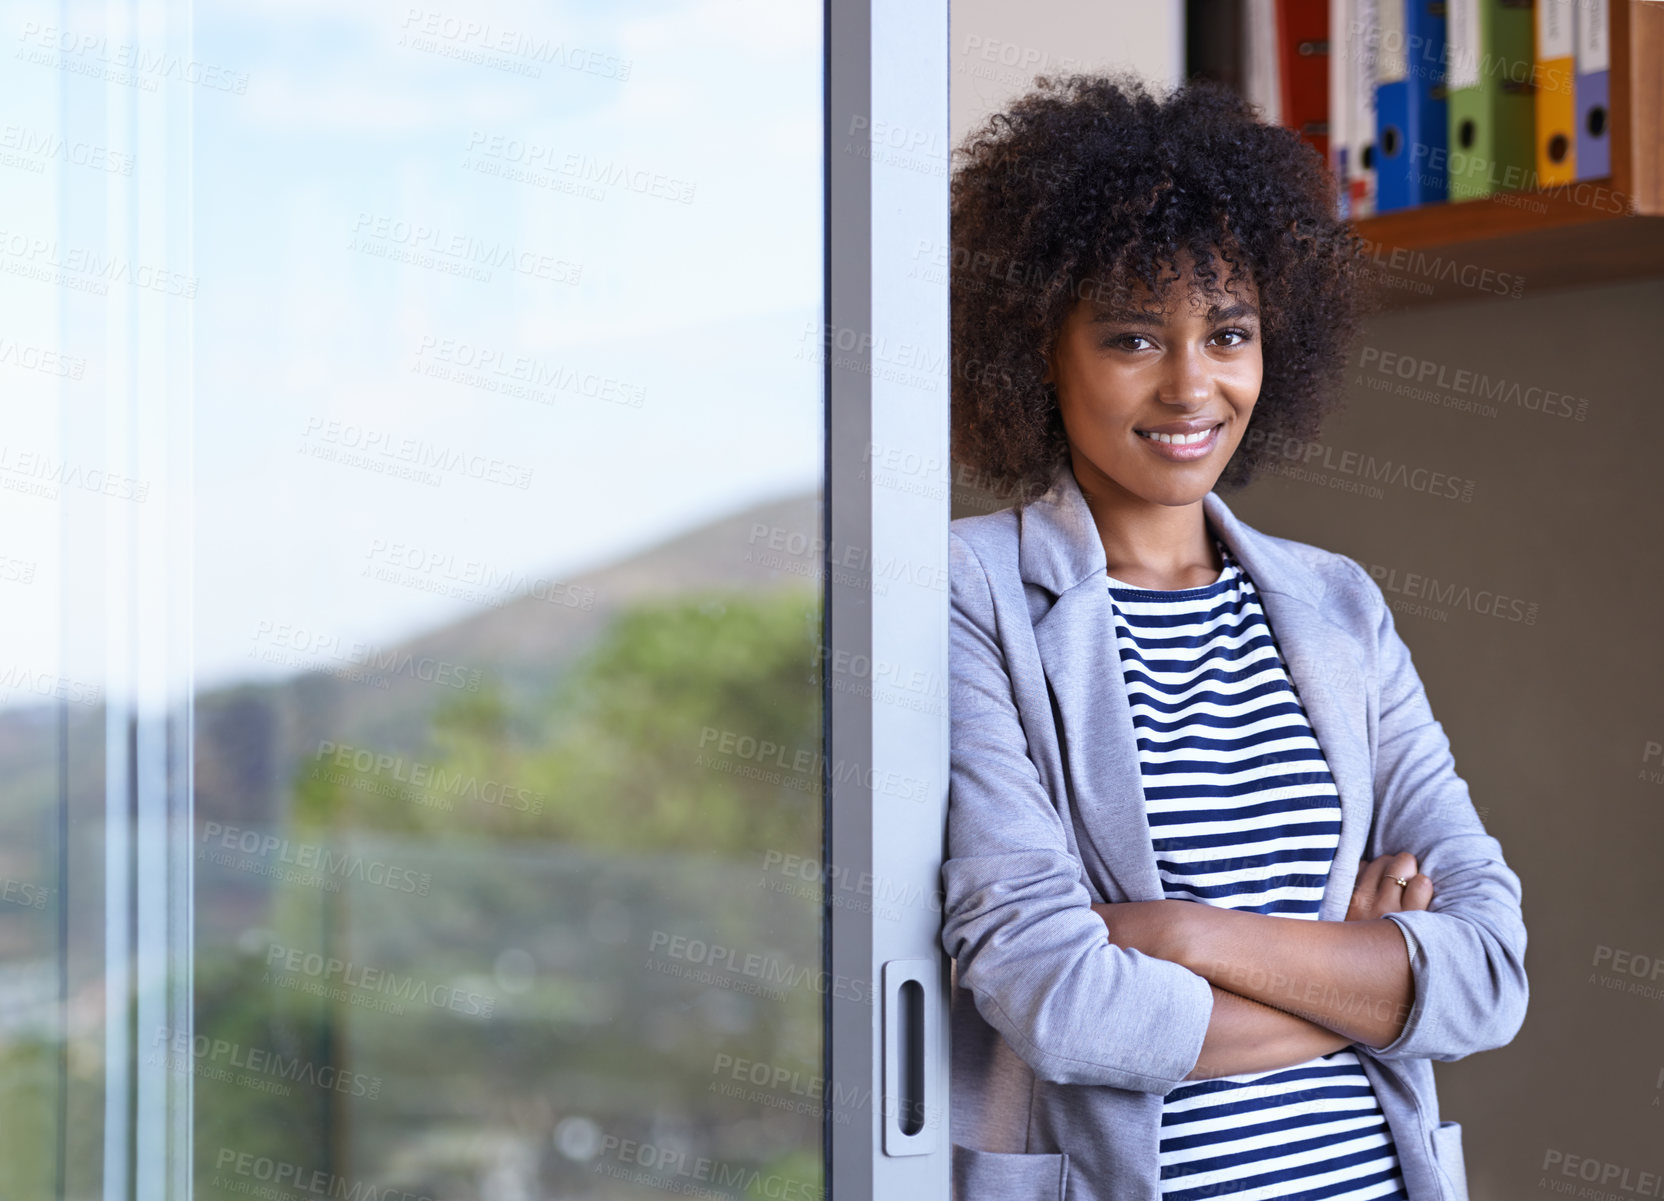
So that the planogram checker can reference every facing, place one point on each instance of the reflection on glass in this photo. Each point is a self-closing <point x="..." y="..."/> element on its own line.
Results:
<point x="506" y="619"/>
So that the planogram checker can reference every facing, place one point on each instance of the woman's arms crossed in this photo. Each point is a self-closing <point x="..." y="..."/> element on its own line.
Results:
<point x="1350" y="978"/>
<point x="1465" y="988"/>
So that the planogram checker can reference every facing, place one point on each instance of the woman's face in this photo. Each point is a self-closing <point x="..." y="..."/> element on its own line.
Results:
<point x="1192" y="371"/>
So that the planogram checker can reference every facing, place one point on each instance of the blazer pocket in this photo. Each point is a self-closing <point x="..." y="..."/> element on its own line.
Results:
<point x="1006" y="1176"/>
<point x="1447" y="1145"/>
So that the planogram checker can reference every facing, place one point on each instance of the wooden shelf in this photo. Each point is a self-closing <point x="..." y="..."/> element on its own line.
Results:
<point x="1416" y="262"/>
<point x="1517" y="244"/>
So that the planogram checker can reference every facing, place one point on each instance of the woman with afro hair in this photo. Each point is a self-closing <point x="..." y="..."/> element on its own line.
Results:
<point x="1215" y="894"/>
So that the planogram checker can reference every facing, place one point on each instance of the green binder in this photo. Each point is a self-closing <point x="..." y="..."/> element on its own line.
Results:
<point x="1489" y="95"/>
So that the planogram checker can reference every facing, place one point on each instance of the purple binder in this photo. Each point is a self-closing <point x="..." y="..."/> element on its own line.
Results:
<point x="1594" y="134"/>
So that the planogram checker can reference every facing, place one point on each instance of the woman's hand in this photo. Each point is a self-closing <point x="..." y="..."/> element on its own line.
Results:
<point x="1377" y="891"/>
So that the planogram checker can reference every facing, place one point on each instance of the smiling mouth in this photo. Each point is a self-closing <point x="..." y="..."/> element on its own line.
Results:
<point x="1197" y="438"/>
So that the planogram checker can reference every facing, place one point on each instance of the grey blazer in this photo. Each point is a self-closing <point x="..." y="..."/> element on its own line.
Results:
<point x="1064" y="1044"/>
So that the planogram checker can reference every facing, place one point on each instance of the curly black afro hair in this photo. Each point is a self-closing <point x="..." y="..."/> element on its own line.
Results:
<point x="1088" y="182"/>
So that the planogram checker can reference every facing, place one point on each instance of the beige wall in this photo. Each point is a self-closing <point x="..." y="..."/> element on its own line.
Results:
<point x="999" y="47"/>
<point x="1552" y="695"/>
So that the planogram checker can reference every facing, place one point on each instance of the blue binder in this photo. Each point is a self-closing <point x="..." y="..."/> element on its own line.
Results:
<point x="1411" y="134"/>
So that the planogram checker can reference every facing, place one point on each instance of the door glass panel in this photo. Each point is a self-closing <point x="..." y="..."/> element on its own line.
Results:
<point x="505" y="603"/>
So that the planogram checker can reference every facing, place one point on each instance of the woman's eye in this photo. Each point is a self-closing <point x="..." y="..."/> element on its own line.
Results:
<point x="1132" y="341"/>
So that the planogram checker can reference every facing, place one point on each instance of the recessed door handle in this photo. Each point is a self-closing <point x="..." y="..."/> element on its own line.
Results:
<point x="911" y="1108"/>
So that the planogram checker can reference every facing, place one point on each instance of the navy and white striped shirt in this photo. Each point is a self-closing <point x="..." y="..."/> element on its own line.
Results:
<point x="1243" y="813"/>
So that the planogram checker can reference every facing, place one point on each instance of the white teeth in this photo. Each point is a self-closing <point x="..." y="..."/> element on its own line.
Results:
<point x="1180" y="439"/>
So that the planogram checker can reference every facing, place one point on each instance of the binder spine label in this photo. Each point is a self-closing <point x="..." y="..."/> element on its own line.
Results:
<point x="1554" y="29"/>
<point x="1366" y="69"/>
<point x="1391" y="63"/>
<point x="1462" y="44"/>
<point x="1592" y="52"/>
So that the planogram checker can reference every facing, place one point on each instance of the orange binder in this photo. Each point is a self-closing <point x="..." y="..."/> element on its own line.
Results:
<point x="1555" y="77"/>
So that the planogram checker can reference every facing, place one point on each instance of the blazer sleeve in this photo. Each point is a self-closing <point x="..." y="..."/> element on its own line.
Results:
<point x="1469" y="959"/>
<point x="1017" y="914"/>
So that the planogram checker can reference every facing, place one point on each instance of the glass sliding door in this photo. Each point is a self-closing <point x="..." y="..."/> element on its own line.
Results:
<point x="463" y="529"/>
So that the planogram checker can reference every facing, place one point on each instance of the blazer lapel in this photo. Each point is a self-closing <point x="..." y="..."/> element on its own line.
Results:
<point x="1060" y="550"/>
<point x="1076" y="638"/>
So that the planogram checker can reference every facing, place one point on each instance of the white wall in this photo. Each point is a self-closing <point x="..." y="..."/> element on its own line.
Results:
<point x="1000" y="46"/>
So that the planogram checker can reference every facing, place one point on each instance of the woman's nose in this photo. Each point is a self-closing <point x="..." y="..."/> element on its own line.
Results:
<point x="1188" y="379"/>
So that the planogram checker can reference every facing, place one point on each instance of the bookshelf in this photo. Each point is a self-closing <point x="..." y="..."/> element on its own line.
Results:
<point x="1520" y="243"/>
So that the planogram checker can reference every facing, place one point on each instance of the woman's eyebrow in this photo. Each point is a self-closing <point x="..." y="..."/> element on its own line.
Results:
<point x="1136" y="317"/>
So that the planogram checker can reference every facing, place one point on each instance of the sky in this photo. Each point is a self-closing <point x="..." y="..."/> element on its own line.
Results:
<point x="484" y="294"/>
